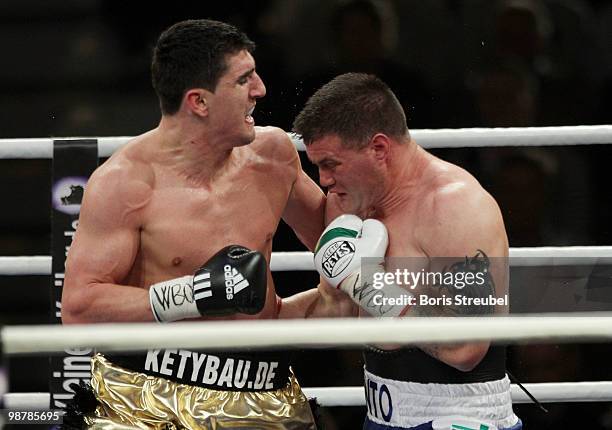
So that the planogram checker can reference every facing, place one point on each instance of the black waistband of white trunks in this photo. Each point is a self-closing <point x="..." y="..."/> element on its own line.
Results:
<point x="227" y="371"/>
<point x="414" y="365"/>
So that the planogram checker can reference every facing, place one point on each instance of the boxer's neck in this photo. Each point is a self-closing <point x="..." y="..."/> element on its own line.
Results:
<point x="405" y="170"/>
<point x="191" y="151"/>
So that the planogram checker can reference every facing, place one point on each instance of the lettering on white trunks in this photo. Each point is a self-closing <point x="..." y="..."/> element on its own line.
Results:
<point x="208" y="369"/>
<point x="378" y="400"/>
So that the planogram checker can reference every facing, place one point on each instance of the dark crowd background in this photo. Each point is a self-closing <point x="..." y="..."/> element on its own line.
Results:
<point x="81" y="68"/>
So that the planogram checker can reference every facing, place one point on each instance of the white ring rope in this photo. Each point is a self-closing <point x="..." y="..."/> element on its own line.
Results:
<point x="27" y="265"/>
<point x="427" y="138"/>
<point x="315" y="333"/>
<point x="548" y="392"/>
<point x="289" y="261"/>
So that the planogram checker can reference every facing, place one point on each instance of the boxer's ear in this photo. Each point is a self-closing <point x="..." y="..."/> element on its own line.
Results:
<point x="195" y="100"/>
<point x="380" y="144"/>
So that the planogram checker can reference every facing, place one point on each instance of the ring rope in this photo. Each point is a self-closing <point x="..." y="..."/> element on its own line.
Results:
<point x="427" y="138"/>
<point x="289" y="261"/>
<point x="314" y="333"/>
<point x="547" y="392"/>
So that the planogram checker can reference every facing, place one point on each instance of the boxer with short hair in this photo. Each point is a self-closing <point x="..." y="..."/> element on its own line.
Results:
<point x="392" y="201"/>
<point x="152" y="243"/>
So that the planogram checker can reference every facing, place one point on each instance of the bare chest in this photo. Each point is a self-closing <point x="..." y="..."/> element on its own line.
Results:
<point x="404" y="240"/>
<point x="184" y="226"/>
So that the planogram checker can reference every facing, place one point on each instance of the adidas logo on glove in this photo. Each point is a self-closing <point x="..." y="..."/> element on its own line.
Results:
<point x="234" y="281"/>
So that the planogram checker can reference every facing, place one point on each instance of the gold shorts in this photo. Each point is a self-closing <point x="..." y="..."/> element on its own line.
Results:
<point x="133" y="400"/>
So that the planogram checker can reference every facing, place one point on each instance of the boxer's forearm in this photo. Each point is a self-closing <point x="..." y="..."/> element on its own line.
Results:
<point x="299" y="305"/>
<point x="320" y="302"/>
<point x="105" y="302"/>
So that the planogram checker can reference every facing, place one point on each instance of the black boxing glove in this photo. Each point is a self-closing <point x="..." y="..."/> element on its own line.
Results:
<point x="234" y="280"/>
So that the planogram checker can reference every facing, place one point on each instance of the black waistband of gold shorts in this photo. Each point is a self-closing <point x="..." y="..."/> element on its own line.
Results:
<point x="227" y="371"/>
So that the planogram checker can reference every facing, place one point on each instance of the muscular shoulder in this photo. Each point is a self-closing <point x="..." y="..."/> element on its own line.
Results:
<point x="453" y="189"/>
<point x="273" y="144"/>
<point x="458" y="207"/>
<point x="122" y="184"/>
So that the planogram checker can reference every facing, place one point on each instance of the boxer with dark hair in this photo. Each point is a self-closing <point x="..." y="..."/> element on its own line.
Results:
<point x="153" y="221"/>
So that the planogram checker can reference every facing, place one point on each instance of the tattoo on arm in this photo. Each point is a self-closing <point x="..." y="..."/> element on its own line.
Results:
<point x="479" y="267"/>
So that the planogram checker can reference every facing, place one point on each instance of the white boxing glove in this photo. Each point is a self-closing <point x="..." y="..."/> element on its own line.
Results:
<point x="344" y="242"/>
<point x="337" y="258"/>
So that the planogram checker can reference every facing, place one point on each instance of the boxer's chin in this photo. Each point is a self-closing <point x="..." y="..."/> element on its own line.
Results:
<point x="248" y="137"/>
